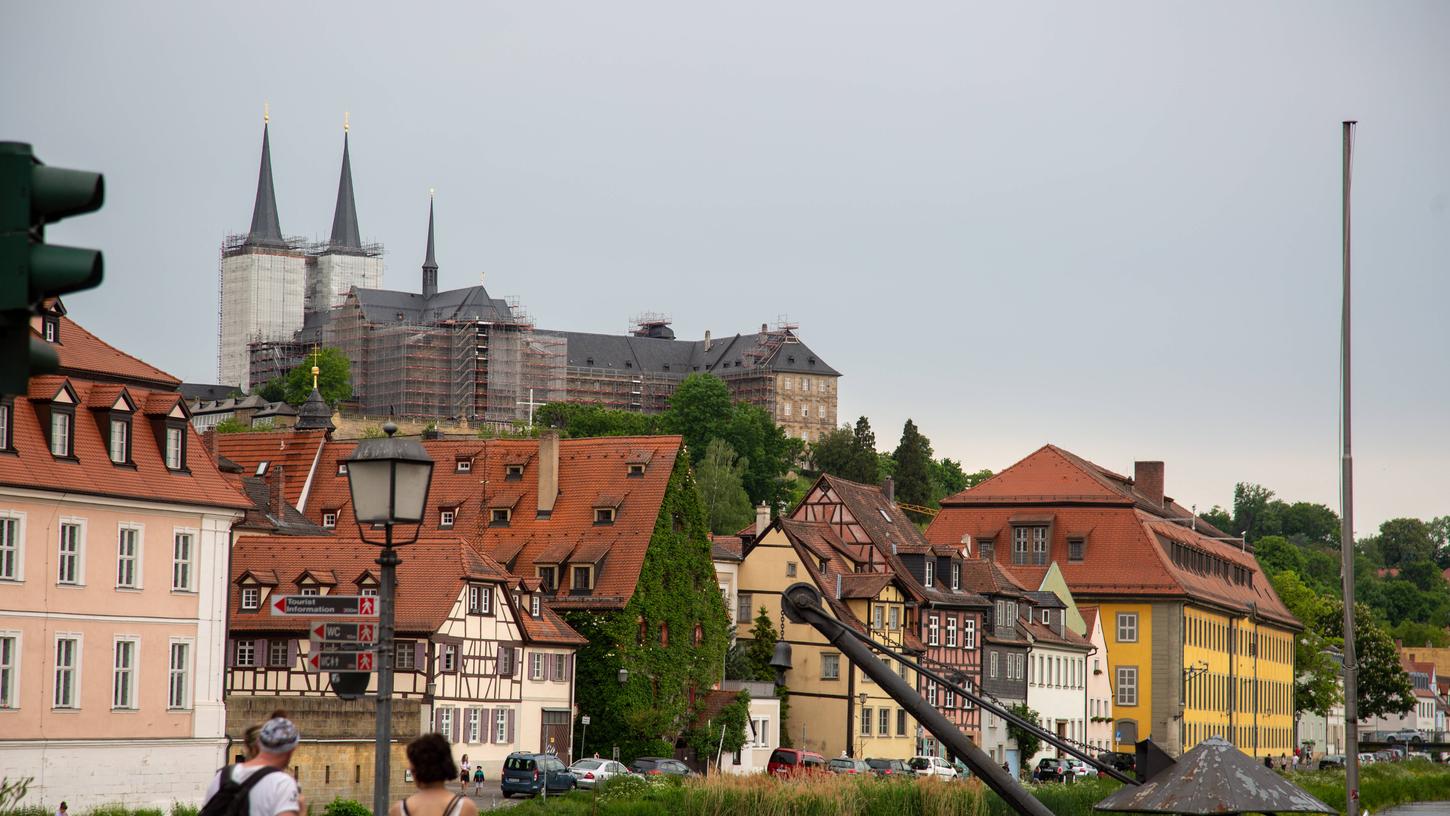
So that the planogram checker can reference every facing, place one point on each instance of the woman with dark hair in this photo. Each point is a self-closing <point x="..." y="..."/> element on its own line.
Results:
<point x="431" y="759"/>
<point x="249" y="738"/>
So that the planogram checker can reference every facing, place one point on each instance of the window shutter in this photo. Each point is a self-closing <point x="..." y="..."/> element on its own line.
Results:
<point x="510" y="731"/>
<point x="549" y="666"/>
<point x="568" y="667"/>
<point x="231" y="653"/>
<point x="259" y="656"/>
<point x="420" y="656"/>
<point x="457" y="725"/>
<point x="437" y="720"/>
<point x="292" y="652"/>
<point x="485" y="720"/>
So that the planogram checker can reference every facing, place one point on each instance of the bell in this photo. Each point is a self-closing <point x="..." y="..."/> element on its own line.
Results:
<point x="780" y="661"/>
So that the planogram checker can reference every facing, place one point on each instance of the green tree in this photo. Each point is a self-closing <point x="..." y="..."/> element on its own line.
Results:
<point x="977" y="477"/>
<point x="719" y="478"/>
<point x="699" y="410"/>
<point x="1255" y="511"/>
<point x="230" y="425"/>
<point x="1415" y="633"/>
<point x="1439" y="529"/>
<point x="1316" y="681"/>
<point x="849" y="453"/>
<point x="274" y="390"/>
<point x="577" y="420"/>
<point x="947" y="479"/>
<point x="333" y="379"/>
<point x="1028" y="743"/>
<point x="1219" y="518"/>
<point x="761" y="648"/>
<point x="913" y="466"/>
<point x="1276" y="554"/>
<point x="1311" y="524"/>
<point x="768" y="453"/>
<point x="1405" y="540"/>
<point x="1384" y="688"/>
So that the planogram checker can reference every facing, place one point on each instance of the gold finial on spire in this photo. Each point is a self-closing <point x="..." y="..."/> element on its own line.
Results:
<point x="266" y="112"/>
<point x="430" y="193"/>
<point x="315" y="369"/>
<point x="344" y="121"/>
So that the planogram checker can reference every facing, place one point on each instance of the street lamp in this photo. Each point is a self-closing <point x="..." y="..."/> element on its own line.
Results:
<point x="388" y="479"/>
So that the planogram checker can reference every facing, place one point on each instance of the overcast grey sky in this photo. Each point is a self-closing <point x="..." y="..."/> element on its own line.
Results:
<point x="1113" y="227"/>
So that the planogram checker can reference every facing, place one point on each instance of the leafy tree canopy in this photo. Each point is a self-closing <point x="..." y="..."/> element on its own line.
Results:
<point x="719" y="478"/>
<point x="1028" y="743"/>
<point x="333" y="380"/>
<point x="1403" y="541"/>
<point x="913" y="466"/>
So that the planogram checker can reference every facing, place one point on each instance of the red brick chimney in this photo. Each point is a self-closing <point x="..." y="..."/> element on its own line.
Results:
<point x="1148" y="479"/>
<point x="276" y="491"/>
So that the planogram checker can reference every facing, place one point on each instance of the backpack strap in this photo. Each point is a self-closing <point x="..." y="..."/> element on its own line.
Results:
<point x="265" y="770"/>
<point x="448" y="811"/>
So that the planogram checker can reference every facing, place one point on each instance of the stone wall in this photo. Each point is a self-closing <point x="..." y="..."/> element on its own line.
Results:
<point x="354" y="427"/>
<point x="86" y="774"/>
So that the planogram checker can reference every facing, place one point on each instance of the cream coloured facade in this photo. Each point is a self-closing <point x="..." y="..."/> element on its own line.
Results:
<point x="805" y="404"/>
<point x="332" y="274"/>
<point x="262" y="294"/>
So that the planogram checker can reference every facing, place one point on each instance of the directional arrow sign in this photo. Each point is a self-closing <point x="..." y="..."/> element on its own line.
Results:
<point x="365" y="606"/>
<point x="346" y="632"/>
<point x="341" y="662"/>
<point x="340" y="646"/>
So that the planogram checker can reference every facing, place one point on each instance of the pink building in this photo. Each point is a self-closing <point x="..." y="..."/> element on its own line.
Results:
<point x="114" y="532"/>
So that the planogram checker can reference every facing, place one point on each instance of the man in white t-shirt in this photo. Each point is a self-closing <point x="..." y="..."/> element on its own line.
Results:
<point x="275" y="794"/>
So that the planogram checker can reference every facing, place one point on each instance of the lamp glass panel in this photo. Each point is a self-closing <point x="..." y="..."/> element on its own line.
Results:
<point x="412" y="491"/>
<point x="370" y="483"/>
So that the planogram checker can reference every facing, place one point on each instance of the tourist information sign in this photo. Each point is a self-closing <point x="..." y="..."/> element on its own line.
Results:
<point x="365" y="606"/>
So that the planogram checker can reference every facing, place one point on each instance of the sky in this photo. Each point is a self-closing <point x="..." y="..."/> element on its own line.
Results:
<point x="1114" y="227"/>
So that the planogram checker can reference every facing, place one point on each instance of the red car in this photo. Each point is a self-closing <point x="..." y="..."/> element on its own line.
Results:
<point x="794" y="762"/>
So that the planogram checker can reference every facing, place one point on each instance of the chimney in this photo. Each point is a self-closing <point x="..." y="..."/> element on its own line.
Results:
<point x="548" y="472"/>
<point x="762" y="518"/>
<point x="1148" y="479"/>
<point x="208" y="438"/>
<point x="838" y="586"/>
<point x="276" y="491"/>
<point x="889" y="488"/>
<point x="707" y="340"/>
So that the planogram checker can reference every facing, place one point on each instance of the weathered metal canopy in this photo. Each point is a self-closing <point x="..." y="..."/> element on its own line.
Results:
<point x="1215" y="777"/>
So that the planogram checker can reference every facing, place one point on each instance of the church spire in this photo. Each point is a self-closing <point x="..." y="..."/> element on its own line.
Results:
<point x="430" y="263"/>
<point x="344" y="218"/>
<point x="266" y="228"/>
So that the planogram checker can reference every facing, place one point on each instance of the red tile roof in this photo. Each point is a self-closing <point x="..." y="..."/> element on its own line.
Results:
<point x="1126" y="546"/>
<point x="295" y="451"/>
<point x="91" y="471"/>
<point x="85" y="355"/>
<point x="587" y="469"/>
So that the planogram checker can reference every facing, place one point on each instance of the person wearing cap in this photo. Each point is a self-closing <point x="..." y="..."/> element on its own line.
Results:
<point x="276" y="793"/>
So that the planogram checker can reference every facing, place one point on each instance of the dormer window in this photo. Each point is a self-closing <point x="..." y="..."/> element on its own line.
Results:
<point x="50" y="327"/>
<point x="547" y="578"/>
<point x="445" y="517"/>
<point x="251" y="599"/>
<point x="956" y="576"/>
<point x="930" y="575"/>
<point x="582" y="578"/>
<point x="175" y="447"/>
<point x="480" y="599"/>
<point x="329" y="518"/>
<point x="1046" y="617"/>
<point x="7" y="423"/>
<point x="1075" y="549"/>
<point x="535" y="605"/>
<point x="464" y="466"/>
<point x="120" y="440"/>
<point x="61" y="422"/>
<point x="636" y="470"/>
<point x="342" y="468"/>
<point x="500" y="516"/>
<point x="513" y="473"/>
<point x="604" y="515"/>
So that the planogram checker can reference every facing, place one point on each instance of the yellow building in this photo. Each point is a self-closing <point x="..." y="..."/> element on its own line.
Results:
<point x="834" y="708"/>
<point x="1198" y="643"/>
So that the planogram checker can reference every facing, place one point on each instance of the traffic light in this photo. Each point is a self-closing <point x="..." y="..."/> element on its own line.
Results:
<point x="31" y="196"/>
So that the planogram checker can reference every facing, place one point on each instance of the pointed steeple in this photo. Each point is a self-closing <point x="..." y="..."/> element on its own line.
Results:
<point x="430" y="263"/>
<point x="315" y="415"/>
<point x="266" y="228"/>
<point x="344" y="218"/>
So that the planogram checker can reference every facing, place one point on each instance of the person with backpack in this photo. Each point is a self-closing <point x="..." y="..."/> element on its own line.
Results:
<point x="431" y="759"/>
<point x="260" y="786"/>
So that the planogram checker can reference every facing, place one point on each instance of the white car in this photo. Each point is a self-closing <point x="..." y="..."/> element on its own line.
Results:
<point x="932" y="766"/>
<point x="1081" y="769"/>
<point x="590" y="772"/>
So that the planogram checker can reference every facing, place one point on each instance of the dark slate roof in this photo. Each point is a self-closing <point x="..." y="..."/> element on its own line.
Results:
<point x="315" y="414"/>
<point x="1046" y="600"/>
<point x="429" y="260"/>
<point x="1214" y="777"/>
<point x="208" y="392"/>
<point x="344" y="218"/>
<point x="260" y="517"/>
<point x="470" y="304"/>
<point x="266" y="227"/>
<point x="654" y="354"/>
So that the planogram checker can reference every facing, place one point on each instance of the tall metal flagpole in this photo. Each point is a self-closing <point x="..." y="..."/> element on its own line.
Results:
<point x="1346" y="514"/>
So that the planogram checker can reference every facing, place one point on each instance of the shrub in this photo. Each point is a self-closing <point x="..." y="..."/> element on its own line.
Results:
<point x="346" y="807"/>
<point x="183" y="809"/>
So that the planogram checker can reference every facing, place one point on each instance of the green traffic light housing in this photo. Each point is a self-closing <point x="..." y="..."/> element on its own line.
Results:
<point x="33" y="195"/>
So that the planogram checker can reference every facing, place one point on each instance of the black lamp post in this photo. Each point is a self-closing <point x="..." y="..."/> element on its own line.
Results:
<point x="388" y="479"/>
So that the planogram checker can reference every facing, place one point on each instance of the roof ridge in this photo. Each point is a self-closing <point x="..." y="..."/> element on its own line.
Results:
<point x="71" y="324"/>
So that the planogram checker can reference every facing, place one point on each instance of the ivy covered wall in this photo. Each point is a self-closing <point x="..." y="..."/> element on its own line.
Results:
<point x="654" y="639"/>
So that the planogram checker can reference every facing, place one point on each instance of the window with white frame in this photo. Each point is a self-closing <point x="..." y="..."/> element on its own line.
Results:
<point x="67" y="671"/>
<point x="123" y="678"/>
<point x="329" y="518"/>
<point x="930" y="572"/>
<point x="449" y="659"/>
<point x="445" y="721"/>
<point x="761" y="726"/>
<point x="10" y="550"/>
<point x="501" y="725"/>
<point x="992" y="663"/>
<point x="445" y="518"/>
<point x="951" y="699"/>
<point x="1127" y="627"/>
<point x="182" y="553"/>
<point x="830" y="666"/>
<point x="480" y="599"/>
<point x="5" y="424"/>
<point x="536" y="666"/>
<point x="310" y="590"/>
<point x="1127" y="685"/>
<point x="893" y="618"/>
<point x="1019" y="545"/>
<point x="60" y="433"/>
<point x="178" y="687"/>
<point x="561" y="668"/>
<point x="128" y="557"/>
<point x="173" y="448"/>
<point x="952" y="631"/>
<point x="933" y="630"/>
<point x="931" y="693"/>
<point x="956" y="576"/>
<point x="368" y="592"/>
<point x="1039" y="545"/>
<point x="865" y="721"/>
<point x="969" y="633"/>
<point x="464" y="466"/>
<point x="277" y="653"/>
<point x="475" y="725"/>
<point x="404" y="655"/>
<point x="251" y="598"/>
<point x="883" y="721"/>
<point x="120" y="433"/>
<point x="9" y="670"/>
<point x="68" y="561"/>
<point x="878" y="616"/>
<point x="246" y="653"/>
<point x="535" y="607"/>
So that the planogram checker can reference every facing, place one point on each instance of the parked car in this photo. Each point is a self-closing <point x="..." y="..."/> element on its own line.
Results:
<point x="848" y="766"/>
<point x="891" y="768"/>
<point x="660" y="766"/>
<point x="1331" y="761"/>
<point x="932" y="766"/>
<point x="1080" y="769"/>
<point x="1051" y="769"/>
<point x="962" y="770"/>
<point x="530" y="774"/>
<point x="1418" y="755"/>
<point x="590" y="772"/>
<point x="1406" y="735"/>
<point x="794" y="762"/>
<point x="1366" y="759"/>
<point x="1126" y="763"/>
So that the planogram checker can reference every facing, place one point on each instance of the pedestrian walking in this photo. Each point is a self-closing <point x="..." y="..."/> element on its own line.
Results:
<point x="62" y="810"/>
<point x="463" y="771"/>
<point x="431" y="759"/>
<point x="1268" y="762"/>
<point x="478" y="780"/>
<point x="261" y="783"/>
<point x="1294" y="763"/>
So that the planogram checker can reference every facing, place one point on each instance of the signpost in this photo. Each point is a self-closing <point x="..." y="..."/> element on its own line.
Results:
<point x="345" y="632"/>
<point x="342" y="661"/>
<point x="363" y="606"/>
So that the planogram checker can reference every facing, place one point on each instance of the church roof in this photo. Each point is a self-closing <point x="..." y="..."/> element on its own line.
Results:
<point x="266" y="227"/>
<point x="315" y="414"/>
<point x="429" y="260"/>
<point x="472" y="303"/>
<point x="344" y="218"/>
<point x="660" y="355"/>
